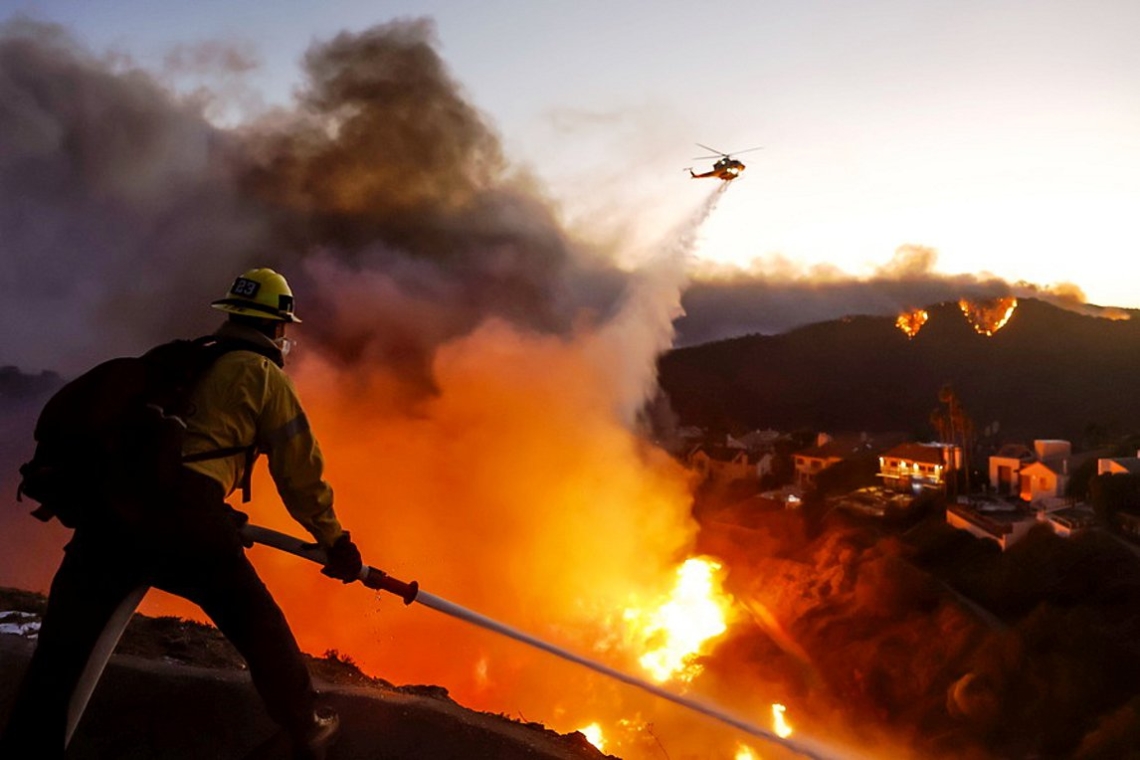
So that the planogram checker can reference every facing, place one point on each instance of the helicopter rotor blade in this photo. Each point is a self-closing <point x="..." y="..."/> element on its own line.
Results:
<point x="714" y="150"/>
<point x="747" y="150"/>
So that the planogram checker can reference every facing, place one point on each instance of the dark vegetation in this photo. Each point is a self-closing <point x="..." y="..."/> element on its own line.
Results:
<point x="1049" y="373"/>
<point x="958" y="648"/>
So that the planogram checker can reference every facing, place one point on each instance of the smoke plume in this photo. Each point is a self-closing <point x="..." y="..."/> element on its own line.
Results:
<point x="122" y="200"/>
<point x="780" y="295"/>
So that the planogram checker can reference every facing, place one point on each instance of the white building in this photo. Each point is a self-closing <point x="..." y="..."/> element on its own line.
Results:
<point x="1042" y="473"/>
<point x="1005" y="468"/>
<point x="1119" y="465"/>
<point x="1003" y="524"/>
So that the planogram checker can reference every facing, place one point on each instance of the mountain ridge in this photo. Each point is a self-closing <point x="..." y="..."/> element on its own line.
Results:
<point x="1048" y="373"/>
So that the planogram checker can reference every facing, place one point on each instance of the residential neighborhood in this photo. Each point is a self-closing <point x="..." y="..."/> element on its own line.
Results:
<point x="1020" y="486"/>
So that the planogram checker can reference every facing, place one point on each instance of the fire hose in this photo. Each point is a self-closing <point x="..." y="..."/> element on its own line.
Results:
<point x="410" y="592"/>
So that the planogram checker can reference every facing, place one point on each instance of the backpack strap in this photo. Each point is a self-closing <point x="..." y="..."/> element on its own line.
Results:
<point x="217" y="346"/>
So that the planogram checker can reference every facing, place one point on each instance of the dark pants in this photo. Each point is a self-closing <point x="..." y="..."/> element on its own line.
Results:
<point x="189" y="547"/>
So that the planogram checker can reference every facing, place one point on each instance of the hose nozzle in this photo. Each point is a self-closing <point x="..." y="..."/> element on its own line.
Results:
<point x="379" y="580"/>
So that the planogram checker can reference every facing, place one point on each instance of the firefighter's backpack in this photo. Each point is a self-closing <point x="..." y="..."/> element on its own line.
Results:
<point x="111" y="439"/>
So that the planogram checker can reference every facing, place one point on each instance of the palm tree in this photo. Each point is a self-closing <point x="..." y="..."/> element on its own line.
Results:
<point x="954" y="427"/>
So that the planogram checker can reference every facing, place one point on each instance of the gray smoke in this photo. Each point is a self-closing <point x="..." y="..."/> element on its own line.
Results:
<point x="119" y="211"/>
<point x="383" y="196"/>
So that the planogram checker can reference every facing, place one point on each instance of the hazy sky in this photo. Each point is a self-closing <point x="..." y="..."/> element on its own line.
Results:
<point x="1005" y="135"/>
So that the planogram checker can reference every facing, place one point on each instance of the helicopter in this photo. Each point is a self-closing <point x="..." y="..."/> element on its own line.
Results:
<point x="726" y="168"/>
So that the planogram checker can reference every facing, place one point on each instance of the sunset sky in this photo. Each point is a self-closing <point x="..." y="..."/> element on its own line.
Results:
<point x="1005" y="135"/>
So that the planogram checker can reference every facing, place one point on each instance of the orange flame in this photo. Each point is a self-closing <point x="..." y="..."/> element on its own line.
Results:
<point x="910" y="322"/>
<point x="987" y="317"/>
<point x="593" y="734"/>
<point x="779" y="723"/>
<point x="744" y="752"/>
<point x="677" y="632"/>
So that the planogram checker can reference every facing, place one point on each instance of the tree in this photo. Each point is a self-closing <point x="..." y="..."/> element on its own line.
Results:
<point x="954" y="426"/>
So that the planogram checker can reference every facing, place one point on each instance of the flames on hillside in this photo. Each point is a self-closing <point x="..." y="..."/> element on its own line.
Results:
<point x="986" y="317"/>
<point x="910" y="322"/>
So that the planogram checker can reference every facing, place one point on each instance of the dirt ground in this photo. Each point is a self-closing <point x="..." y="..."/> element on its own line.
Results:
<point x="177" y="689"/>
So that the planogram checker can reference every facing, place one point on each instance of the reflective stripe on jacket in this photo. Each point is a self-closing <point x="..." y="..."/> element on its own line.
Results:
<point x="245" y="398"/>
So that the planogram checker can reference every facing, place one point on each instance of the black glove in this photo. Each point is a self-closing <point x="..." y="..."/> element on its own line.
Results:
<point x="240" y="519"/>
<point x="344" y="562"/>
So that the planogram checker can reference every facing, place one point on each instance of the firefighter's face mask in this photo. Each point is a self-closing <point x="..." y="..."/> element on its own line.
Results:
<point x="285" y="344"/>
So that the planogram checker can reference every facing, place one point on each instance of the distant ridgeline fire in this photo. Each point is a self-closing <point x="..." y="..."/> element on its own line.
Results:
<point x="986" y="317"/>
<point x="910" y="322"/>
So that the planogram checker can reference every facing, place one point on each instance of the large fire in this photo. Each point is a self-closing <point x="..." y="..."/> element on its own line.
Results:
<point x="910" y="322"/>
<point x="676" y="633"/>
<point x="987" y="317"/>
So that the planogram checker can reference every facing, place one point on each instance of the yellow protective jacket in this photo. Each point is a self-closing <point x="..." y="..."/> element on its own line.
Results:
<point x="243" y="399"/>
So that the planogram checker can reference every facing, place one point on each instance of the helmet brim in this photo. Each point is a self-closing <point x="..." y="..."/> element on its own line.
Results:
<point x="246" y="309"/>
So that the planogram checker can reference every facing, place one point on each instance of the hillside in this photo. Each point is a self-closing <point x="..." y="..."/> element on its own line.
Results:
<point x="170" y="679"/>
<point x="1048" y="373"/>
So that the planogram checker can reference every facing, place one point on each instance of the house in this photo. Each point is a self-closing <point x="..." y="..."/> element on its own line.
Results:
<point x="1119" y="466"/>
<point x="1034" y="475"/>
<point x="757" y="440"/>
<point x="1005" y="468"/>
<point x="1003" y="523"/>
<point x="761" y="451"/>
<point x="1044" y="480"/>
<point x="724" y="464"/>
<point x="826" y="452"/>
<point x="919" y="466"/>
<point x="1048" y="477"/>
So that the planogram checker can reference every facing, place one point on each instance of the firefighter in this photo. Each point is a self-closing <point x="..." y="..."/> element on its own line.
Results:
<point x="192" y="546"/>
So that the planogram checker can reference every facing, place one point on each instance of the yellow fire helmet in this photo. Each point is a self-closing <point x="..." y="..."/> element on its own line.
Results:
<point x="260" y="293"/>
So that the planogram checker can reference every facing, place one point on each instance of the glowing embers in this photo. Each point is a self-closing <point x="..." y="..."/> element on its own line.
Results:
<point x="675" y="633"/>
<point x="987" y="317"/>
<point x="910" y="322"/>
